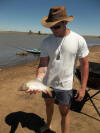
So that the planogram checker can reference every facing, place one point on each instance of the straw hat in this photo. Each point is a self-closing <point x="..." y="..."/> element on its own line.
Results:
<point x="56" y="15"/>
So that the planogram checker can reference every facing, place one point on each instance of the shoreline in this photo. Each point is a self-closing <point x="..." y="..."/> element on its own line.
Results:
<point x="28" y="63"/>
<point x="19" y="63"/>
<point x="13" y="66"/>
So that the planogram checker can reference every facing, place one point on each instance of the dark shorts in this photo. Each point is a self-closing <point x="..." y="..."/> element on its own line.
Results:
<point x="62" y="97"/>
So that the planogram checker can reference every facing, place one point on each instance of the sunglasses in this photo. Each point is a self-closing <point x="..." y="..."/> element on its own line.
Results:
<point x="56" y="27"/>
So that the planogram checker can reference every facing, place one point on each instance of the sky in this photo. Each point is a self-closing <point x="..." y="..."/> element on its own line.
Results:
<point x="25" y="15"/>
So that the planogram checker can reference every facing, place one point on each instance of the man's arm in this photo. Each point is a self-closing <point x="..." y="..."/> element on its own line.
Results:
<point x="84" y="66"/>
<point x="42" y="68"/>
<point x="41" y="71"/>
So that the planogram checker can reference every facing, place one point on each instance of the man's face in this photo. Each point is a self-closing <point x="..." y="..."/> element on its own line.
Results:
<point x="59" y="29"/>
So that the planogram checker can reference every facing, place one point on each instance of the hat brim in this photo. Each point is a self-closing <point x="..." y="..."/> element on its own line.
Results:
<point x="50" y="24"/>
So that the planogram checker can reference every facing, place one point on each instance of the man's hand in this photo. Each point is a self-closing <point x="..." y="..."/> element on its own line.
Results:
<point x="84" y="66"/>
<point x="47" y="91"/>
<point x="32" y="91"/>
<point x="80" y="95"/>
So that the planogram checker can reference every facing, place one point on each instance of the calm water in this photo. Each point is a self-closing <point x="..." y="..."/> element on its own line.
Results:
<point x="10" y="44"/>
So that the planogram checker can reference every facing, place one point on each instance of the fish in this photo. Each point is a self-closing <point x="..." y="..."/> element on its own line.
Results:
<point x="35" y="85"/>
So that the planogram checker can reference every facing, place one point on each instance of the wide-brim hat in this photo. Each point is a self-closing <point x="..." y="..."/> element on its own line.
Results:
<point x="56" y="15"/>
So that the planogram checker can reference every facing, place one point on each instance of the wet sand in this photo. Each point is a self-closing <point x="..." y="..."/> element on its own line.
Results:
<point x="22" y="111"/>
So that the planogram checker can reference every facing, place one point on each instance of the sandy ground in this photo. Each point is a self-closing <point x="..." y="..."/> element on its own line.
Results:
<point x="24" y="113"/>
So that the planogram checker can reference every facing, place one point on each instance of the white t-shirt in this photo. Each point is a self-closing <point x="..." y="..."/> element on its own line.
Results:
<point x="63" y="53"/>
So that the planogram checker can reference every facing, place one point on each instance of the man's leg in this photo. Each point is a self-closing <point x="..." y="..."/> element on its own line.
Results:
<point x="49" y="110"/>
<point x="64" y="111"/>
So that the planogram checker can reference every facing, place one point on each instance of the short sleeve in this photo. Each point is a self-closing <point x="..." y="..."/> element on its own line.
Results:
<point x="43" y="49"/>
<point x="83" y="50"/>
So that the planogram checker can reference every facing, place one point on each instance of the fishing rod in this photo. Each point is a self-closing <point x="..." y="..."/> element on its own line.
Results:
<point x="33" y="51"/>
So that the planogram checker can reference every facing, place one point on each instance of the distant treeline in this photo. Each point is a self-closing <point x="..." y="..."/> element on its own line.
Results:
<point x="39" y="33"/>
<point x="29" y="33"/>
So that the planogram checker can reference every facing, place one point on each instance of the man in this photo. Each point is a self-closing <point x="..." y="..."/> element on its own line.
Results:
<point x="59" y="53"/>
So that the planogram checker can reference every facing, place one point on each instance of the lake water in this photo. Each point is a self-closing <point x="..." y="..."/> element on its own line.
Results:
<point x="10" y="44"/>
